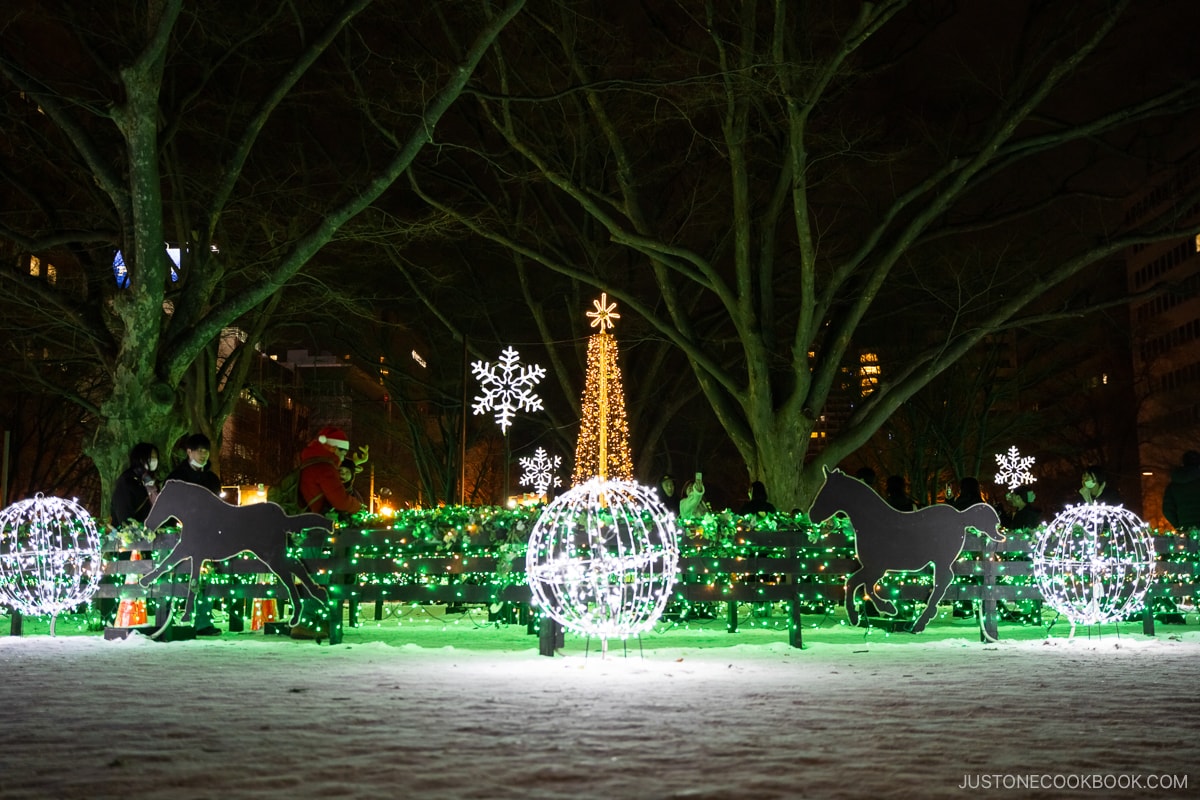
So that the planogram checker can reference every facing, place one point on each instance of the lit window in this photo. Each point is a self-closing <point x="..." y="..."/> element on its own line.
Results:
<point x="868" y="372"/>
<point x="40" y="269"/>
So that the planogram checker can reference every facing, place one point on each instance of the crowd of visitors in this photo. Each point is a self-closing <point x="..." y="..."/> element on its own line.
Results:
<point x="324" y="484"/>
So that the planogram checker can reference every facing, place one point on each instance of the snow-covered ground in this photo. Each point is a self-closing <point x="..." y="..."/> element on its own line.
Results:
<point x="427" y="705"/>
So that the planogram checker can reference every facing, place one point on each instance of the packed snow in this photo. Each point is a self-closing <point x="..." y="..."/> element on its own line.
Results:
<point x="425" y="704"/>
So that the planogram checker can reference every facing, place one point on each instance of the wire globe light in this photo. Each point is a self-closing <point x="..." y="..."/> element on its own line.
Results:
<point x="1094" y="563"/>
<point x="49" y="556"/>
<point x="603" y="558"/>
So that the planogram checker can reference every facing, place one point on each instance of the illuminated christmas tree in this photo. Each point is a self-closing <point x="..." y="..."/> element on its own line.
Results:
<point x="603" y="447"/>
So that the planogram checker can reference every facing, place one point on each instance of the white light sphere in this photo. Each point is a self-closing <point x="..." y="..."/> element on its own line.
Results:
<point x="49" y="556"/>
<point x="1094" y="563"/>
<point x="603" y="558"/>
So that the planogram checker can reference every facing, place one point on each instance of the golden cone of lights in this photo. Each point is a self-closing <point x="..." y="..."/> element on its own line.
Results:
<point x="603" y="447"/>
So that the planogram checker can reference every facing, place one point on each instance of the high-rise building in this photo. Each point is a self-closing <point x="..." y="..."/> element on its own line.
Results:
<point x="1166" y="331"/>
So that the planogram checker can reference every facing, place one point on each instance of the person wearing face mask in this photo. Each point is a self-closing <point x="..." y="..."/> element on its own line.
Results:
<point x="195" y="468"/>
<point x="1096" y="488"/>
<point x="133" y="494"/>
<point x="136" y="487"/>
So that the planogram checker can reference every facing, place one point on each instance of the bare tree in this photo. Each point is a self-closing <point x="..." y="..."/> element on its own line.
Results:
<point x="775" y="182"/>
<point x="232" y="137"/>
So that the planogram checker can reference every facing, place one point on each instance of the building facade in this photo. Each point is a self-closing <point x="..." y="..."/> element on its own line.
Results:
<point x="1166" y="333"/>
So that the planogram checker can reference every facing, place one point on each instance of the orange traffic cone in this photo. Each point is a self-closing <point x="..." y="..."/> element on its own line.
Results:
<point x="264" y="611"/>
<point x="132" y="613"/>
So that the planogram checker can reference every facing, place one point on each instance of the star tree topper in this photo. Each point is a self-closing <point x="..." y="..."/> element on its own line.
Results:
<point x="507" y="387"/>
<point x="540" y="471"/>
<point x="605" y="313"/>
<point x="1014" y="469"/>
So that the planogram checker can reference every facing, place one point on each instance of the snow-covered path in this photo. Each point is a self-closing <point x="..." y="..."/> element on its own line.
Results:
<point x="476" y="713"/>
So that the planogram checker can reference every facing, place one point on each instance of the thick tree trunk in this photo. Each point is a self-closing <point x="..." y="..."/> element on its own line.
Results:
<point x="138" y="410"/>
<point x="777" y="459"/>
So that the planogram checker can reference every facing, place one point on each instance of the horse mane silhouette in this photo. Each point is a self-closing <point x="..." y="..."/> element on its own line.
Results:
<point x="213" y="530"/>
<point x="887" y="540"/>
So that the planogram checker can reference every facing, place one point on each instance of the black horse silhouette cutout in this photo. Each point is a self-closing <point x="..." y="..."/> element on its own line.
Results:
<point x="887" y="540"/>
<point x="213" y="530"/>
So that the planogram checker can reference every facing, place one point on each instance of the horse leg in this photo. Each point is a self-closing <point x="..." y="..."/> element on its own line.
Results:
<point x="296" y="568"/>
<point x="868" y="580"/>
<point x="166" y="605"/>
<point x="852" y="587"/>
<point x="943" y="576"/>
<point x="315" y="590"/>
<point x="193" y="586"/>
<point x="295" y="599"/>
<point x="168" y="563"/>
<point x="278" y="563"/>
<point x="883" y="604"/>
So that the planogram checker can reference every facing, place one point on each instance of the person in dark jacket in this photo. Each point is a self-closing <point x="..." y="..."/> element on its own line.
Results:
<point x="758" y="503"/>
<point x="666" y="493"/>
<point x="1181" y="500"/>
<point x="968" y="494"/>
<point x="136" y="488"/>
<point x="196" y="468"/>
<point x="867" y="476"/>
<point x="1095" y="487"/>
<point x="132" y="495"/>
<point x="1025" y="515"/>
<point x="897" y="494"/>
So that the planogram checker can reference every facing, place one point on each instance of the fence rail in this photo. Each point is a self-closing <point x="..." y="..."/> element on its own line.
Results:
<point x="378" y="565"/>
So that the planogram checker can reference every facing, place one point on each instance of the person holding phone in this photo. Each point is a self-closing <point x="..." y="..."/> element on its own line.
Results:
<point x="692" y="504"/>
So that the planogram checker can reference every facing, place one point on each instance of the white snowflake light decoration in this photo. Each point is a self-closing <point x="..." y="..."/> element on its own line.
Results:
<point x="603" y="558"/>
<point x="1094" y="563"/>
<point x="1014" y="469"/>
<point x="49" y="556"/>
<point x="540" y="471"/>
<point x="507" y="387"/>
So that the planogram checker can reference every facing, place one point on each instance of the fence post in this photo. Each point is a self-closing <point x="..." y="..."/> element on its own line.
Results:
<point x="1148" y="599"/>
<point x="795" y="629"/>
<point x="550" y="636"/>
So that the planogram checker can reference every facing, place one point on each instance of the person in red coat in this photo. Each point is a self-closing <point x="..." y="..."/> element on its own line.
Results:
<point x="321" y="489"/>
<point x="321" y="486"/>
